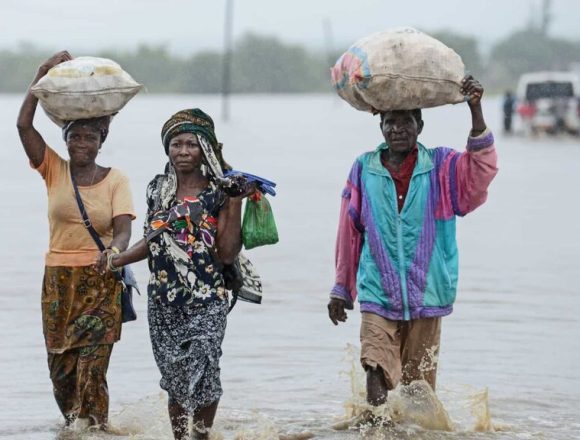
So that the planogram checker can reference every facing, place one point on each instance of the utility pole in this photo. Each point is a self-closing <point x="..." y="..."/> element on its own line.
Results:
<point x="329" y="41"/>
<point x="227" y="59"/>
<point x="546" y="16"/>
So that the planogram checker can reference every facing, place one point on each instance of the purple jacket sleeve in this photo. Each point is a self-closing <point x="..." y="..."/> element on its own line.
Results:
<point x="349" y="239"/>
<point x="465" y="177"/>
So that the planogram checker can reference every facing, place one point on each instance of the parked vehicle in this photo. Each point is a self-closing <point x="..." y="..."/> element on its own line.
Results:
<point x="549" y="102"/>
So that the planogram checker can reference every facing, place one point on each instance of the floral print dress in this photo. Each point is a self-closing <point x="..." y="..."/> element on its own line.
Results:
<point x="187" y="304"/>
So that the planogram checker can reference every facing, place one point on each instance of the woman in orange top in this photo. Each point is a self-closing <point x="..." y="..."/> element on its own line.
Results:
<point x="81" y="308"/>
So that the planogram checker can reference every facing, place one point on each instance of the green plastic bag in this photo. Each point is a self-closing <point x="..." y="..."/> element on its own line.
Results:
<point x="258" y="225"/>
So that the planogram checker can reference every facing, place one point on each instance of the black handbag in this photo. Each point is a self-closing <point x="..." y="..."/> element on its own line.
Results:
<point x="126" y="275"/>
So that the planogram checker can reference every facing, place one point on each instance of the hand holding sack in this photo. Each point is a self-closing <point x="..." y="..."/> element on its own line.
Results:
<point x="399" y="69"/>
<point x="84" y="88"/>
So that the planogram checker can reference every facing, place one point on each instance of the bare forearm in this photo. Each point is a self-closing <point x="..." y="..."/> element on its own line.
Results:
<point x="31" y="140"/>
<point x="27" y="109"/>
<point x="121" y="232"/>
<point x="473" y="91"/>
<point x="33" y="143"/>
<point x="477" y="121"/>
<point x="121" y="241"/>
<point x="135" y="253"/>
<point x="229" y="240"/>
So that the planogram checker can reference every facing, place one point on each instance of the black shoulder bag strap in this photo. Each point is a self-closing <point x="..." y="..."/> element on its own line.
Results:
<point x="86" y="219"/>
<point x="125" y="276"/>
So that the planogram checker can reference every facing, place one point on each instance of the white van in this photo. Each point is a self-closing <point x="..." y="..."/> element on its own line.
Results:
<point x="549" y="102"/>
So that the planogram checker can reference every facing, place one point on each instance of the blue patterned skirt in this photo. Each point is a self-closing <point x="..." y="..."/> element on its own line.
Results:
<point x="186" y="344"/>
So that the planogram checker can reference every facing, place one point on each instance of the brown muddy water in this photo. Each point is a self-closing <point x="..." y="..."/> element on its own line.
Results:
<point x="510" y="351"/>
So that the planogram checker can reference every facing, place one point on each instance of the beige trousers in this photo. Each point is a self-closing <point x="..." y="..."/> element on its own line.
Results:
<point x="404" y="350"/>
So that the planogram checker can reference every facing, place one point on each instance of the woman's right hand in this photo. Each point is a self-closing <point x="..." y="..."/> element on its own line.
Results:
<point x="102" y="263"/>
<point x="54" y="60"/>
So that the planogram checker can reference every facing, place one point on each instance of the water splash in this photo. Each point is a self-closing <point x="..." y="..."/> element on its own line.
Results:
<point x="479" y="405"/>
<point x="146" y="419"/>
<point x="411" y="412"/>
<point x="415" y="406"/>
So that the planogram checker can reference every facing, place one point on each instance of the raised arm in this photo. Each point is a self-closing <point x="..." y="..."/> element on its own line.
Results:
<point x="465" y="177"/>
<point x="474" y="91"/>
<point x="31" y="139"/>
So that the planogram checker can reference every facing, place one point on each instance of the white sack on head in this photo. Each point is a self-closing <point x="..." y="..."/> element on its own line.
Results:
<point x="83" y="88"/>
<point x="399" y="69"/>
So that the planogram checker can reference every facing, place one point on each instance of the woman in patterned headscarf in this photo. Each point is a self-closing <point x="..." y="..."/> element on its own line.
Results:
<point x="193" y="229"/>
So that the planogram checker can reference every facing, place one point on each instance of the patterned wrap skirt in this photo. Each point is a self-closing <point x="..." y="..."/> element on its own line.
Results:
<point x="81" y="319"/>
<point x="80" y="308"/>
<point x="186" y="343"/>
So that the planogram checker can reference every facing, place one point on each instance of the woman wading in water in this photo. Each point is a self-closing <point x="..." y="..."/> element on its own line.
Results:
<point x="81" y="308"/>
<point x="192" y="230"/>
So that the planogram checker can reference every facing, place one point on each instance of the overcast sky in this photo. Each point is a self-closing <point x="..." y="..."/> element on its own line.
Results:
<point x="186" y="26"/>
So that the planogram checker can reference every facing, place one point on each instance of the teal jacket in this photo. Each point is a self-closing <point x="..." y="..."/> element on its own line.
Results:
<point x="404" y="265"/>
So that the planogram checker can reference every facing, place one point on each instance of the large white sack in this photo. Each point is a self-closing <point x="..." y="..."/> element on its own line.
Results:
<point x="399" y="69"/>
<point x="85" y="87"/>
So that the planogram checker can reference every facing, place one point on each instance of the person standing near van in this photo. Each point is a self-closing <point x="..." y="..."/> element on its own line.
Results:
<point x="396" y="247"/>
<point x="81" y="308"/>
<point x="508" y="111"/>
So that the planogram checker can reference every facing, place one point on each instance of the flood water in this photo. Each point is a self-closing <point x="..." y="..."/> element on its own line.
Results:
<point x="510" y="351"/>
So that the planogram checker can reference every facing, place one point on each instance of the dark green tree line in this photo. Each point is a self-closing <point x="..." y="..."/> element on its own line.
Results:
<point x="264" y="64"/>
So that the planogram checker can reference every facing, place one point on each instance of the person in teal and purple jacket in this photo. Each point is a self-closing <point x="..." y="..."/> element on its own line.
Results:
<point x="396" y="247"/>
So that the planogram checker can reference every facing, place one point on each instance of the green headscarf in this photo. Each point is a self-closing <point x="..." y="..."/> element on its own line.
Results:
<point x="189" y="121"/>
<point x="193" y="121"/>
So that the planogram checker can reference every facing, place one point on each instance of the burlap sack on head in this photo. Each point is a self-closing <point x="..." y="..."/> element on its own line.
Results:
<point x="83" y="88"/>
<point x="399" y="69"/>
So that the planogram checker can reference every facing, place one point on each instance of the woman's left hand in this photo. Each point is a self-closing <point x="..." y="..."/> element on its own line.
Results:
<point x="473" y="89"/>
<point x="251" y="188"/>
<point x="237" y="186"/>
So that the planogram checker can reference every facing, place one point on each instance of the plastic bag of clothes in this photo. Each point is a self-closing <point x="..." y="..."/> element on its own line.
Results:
<point x="400" y="69"/>
<point x="83" y="88"/>
<point x="258" y="224"/>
